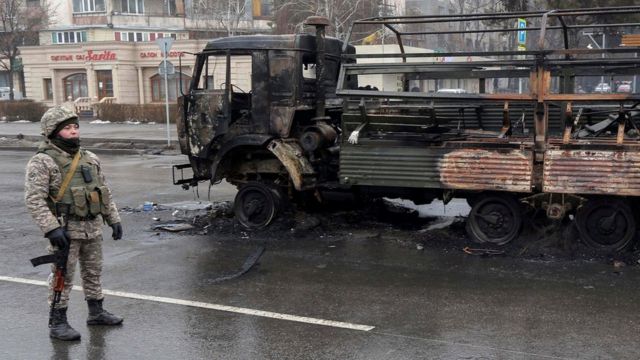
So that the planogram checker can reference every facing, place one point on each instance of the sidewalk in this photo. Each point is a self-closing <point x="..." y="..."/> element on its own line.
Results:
<point x="98" y="132"/>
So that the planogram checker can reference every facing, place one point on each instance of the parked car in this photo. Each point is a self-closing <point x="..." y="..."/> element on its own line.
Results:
<point x="452" y="91"/>
<point x="625" y="87"/>
<point x="602" y="88"/>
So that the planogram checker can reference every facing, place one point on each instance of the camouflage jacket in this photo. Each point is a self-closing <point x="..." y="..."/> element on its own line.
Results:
<point x="43" y="176"/>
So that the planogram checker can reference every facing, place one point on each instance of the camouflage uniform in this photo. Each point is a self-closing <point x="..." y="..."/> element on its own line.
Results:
<point x="44" y="178"/>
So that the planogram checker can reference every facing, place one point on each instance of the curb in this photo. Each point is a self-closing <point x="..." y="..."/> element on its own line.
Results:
<point x="91" y="141"/>
<point x="92" y="149"/>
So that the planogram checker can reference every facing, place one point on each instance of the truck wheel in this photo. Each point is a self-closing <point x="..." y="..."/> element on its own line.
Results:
<point x="256" y="205"/>
<point x="606" y="224"/>
<point x="495" y="219"/>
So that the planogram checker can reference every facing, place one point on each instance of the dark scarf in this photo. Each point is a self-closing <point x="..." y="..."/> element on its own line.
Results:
<point x="70" y="146"/>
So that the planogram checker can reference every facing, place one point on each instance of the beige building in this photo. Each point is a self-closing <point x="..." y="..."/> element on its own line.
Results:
<point x="125" y="71"/>
<point x="107" y="48"/>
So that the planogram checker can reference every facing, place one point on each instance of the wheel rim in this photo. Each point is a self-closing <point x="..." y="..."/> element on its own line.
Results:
<point x="255" y="206"/>
<point x="606" y="225"/>
<point x="494" y="219"/>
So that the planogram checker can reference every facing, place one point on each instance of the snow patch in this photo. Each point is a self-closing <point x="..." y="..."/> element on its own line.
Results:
<point x="456" y="207"/>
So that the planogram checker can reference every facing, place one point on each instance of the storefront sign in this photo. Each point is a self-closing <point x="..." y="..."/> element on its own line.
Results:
<point x="156" y="54"/>
<point x="104" y="55"/>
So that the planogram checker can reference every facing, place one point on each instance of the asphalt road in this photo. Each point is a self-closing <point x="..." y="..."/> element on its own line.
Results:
<point x="390" y="302"/>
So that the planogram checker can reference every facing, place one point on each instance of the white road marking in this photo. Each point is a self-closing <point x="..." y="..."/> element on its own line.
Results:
<point x="204" y="305"/>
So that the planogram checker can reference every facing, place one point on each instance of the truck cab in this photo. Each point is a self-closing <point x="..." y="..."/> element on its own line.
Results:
<point x="261" y="112"/>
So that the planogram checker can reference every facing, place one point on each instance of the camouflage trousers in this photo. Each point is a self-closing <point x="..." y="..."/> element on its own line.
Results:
<point x="87" y="252"/>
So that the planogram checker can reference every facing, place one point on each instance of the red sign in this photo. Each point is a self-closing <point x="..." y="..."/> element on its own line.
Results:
<point x="105" y="55"/>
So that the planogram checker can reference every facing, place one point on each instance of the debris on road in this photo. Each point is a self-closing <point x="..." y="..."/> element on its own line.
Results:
<point x="482" y="252"/>
<point x="173" y="227"/>
<point x="251" y="260"/>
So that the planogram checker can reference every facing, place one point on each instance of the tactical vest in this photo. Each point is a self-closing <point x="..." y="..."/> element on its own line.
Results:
<point x="86" y="196"/>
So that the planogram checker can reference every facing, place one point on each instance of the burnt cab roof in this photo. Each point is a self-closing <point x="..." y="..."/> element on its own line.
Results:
<point x="301" y="42"/>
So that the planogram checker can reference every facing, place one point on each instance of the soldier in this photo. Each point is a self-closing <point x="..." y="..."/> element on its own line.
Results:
<point x="84" y="202"/>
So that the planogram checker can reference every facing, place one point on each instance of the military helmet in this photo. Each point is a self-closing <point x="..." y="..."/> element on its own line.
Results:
<point x="53" y="117"/>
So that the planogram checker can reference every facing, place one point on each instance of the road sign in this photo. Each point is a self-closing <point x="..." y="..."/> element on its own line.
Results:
<point x="170" y="68"/>
<point x="165" y="45"/>
<point x="522" y="34"/>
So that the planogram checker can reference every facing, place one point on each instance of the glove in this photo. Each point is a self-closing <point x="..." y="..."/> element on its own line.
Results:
<point x="117" y="231"/>
<point x="58" y="237"/>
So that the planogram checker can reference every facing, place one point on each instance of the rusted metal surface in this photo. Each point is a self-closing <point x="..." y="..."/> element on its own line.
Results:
<point x="437" y="168"/>
<point x="631" y="40"/>
<point x="480" y="169"/>
<point x="592" y="172"/>
<point x="290" y="155"/>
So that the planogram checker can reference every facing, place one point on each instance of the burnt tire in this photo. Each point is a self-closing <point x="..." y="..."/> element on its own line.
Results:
<point x="606" y="225"/>
<point x="256" y="205"/>
<point x="494" y="219"/>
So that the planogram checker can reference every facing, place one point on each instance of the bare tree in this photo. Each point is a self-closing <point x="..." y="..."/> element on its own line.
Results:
<point x="21" y="23"/>
<point x="226" y="14"/>
<point x="475" y="41"/>
<point x="290" y="15"/>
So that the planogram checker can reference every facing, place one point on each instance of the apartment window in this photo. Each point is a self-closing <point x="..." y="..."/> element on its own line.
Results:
<point x="262" y="8"/>
<point x="132" y="36"/>
<point x="68" y="37"/>
<point x="81" y="6"/>
<point x="171" y="7"/>
<point x="157" y="86"/>
<point x="140" y="36"/>
<point x="133" y="6"/>
<point x="48" y="89"/>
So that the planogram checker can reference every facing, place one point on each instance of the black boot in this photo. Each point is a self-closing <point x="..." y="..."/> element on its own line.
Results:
<point x="99" y="316"/>
<point x="59" y="328"/>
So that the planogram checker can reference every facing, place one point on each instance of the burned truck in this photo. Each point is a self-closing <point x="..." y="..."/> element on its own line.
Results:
<point x="517" y="132"/>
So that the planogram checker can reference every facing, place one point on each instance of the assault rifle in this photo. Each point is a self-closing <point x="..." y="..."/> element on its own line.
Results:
<point x="59" y="258"/>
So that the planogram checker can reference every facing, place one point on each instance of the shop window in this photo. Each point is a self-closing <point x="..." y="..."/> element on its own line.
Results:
<point x="105" y="83"/>
<point x="82" y="6"/>
<point x="68" y="37"/>
<point x="133" y="6"/>
<point x="47" y="86"/>
<point x="262" y="8"/>
<point x="157" y="86"/>
<point x="75" y="86"/>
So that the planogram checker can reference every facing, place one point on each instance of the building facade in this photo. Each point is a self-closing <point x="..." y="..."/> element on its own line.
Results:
<point x="107" y="48"/>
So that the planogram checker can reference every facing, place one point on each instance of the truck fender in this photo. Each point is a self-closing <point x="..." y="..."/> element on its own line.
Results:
<point x="244" y="140"/>
<point x="291" y="156"/>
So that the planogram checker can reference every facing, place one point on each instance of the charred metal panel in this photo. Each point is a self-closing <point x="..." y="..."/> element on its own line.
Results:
<point x="281" y="120"/>
<point x="202" y="120"/>
<point x="181" y="126"/>
<point x="261" y="92"/>
<point x="592" y="172"/>
<point x="469" y="169"/>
